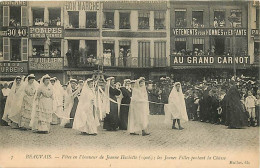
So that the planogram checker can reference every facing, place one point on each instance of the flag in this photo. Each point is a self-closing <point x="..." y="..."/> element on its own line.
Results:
<point x="48" y="40"/>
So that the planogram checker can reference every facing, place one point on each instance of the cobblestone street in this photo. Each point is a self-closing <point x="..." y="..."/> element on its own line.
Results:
<point x="197" y="137"/>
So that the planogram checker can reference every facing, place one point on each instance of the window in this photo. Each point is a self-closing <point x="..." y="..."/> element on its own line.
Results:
<point x="15" y="16"/>
<point x="108" y="20"/>
<point x="218" y="45"/>
<point x="219" y="18"/>
<point x="73" y="53"/>
<point x="38" y="48"/>
<point x="143" y="20"/>
<point x="198" y="46"/>
<point x="180" y="18"/>
<point x="124" y="53"/>
<point x="143" y="54"/>
<point x="54" y="17"/>
<point x="55" y="48"/>
<point x="160" y="54"/>
<point x="180" y="45"/>
<point x="257" y="18"/>
<point x="73" y="19"/>
<point x="236" y="16"/>
<point x="91" y="20"/>
<point x="38" y="16"/>
<point x="15" y="49"/>
<point x="124" y="20"/>
<point x="108" y="53"/>
<point x="1" y="49"/>
<point x="197" y="19"/>
<point x="159" y="20"/>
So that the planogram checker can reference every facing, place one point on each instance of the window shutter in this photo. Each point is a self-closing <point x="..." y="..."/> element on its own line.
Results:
<point x="24" y="49"/>
<point x="24" y="16"/>
<point x="6" y="15"/>
<point x="6" y="48"/>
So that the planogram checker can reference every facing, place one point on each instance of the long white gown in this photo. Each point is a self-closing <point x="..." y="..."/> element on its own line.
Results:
<point x="58" y="103"/>
<point x="12" y="112"/>
<point x="138" y="110"/>
<point x="176" y="108"/>
<point x="86" y="117"/>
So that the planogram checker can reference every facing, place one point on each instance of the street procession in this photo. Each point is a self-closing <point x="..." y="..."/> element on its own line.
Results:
<point x="31" y="104"/>
<point x="93" y="68"/>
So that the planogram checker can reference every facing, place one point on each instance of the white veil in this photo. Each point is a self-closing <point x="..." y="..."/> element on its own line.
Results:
<point x="85" y="106"/>
<point x="176" y="105"/>
<point x="14" y="102"/>
<point x="139" y="108"/>
<point x="36" y="101"/>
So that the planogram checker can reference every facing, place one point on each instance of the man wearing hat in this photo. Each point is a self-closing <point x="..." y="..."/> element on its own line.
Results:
<point x="152" y="97"/>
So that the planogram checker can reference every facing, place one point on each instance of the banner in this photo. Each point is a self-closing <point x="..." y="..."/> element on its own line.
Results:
<point x="208" y="60"/>
<point x="209" y="32"/>
<point x="46" y="63"/>
<point x="42" y="32"/>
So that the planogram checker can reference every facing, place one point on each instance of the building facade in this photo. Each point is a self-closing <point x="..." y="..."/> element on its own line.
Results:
<point x="209" y="38"/>
<point x="129" y="39"/>
<point x="13" y="39"/>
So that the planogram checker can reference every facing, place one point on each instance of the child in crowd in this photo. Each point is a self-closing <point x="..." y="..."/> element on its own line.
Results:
<point x="250" y="103"/>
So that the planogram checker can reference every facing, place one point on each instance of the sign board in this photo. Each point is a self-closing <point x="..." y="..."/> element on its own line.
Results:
<point x="255" y="32"/>
<point x="79" y="72"/>
<point x="46" y="63"/>
<point x="209" y="32"/>
<point x="208" y="60"/>
<point x="82" y="6"/>
<point x="13" y="3"/>
<point x="15" y="32"/>
<point x="13" y="68"/>
<point x="42" y="32"/>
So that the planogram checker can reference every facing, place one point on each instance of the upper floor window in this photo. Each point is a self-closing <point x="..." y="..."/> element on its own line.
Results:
<point x="197" y="19"/>
<point x="159" y="20"/>
<point x="236" y="16"/>
<point x="219" y="18"/>
<point x="38" y="16"/>
<point x="73" y="19"/>
<point x="143" y="20"/>
<point x="15" y="16"/>
<point x="54" y="17"/>
<point x="15" y="50"/>
<point x="180" y="18"/>
<point x="108" y="20"/>
<point x="124" y="20"/>
<point x="91" y="20"/>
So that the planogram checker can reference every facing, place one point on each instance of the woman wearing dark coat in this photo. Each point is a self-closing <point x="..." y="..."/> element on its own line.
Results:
<point x="236" y="116"/>
<point x="111" y="119"/>
<point x="124" y="108"/>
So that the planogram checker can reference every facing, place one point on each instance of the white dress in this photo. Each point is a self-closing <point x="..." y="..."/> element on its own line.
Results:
<point x="86" y="117"/>
<point x="176" y="108"/>
<point x="138" y="110"/>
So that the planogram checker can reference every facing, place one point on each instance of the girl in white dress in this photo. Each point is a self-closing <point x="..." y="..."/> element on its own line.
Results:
<point x="176" y="109"/>
<point x="86" y="118"/>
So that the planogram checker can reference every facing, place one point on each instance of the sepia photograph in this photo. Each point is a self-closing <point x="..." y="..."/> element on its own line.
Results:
<point x="129" y="84"/>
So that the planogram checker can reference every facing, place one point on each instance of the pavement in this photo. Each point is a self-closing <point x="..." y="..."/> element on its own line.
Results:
<point x="197" y="138"/>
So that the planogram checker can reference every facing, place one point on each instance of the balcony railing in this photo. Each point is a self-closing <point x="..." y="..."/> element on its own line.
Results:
<point x="127" y="62"/>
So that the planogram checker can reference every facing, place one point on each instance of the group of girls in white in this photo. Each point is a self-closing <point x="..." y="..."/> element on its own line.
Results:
<point x="84" y="105"/>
